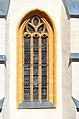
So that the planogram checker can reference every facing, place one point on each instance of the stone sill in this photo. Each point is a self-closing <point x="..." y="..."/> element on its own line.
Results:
<point x="36" y="105"/>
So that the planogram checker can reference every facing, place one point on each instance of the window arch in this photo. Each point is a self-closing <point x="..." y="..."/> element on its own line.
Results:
<point x="36" y="61"/>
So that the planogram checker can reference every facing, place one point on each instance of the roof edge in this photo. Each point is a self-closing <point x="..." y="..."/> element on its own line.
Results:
<point x="70" y="9"/>
<point x="4" y="8"/>
<point x="67" y="12"/>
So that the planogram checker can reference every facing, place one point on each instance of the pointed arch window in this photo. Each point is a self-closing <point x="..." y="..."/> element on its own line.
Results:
<point x="35" y="60"/>
<point x="37" y="69"/>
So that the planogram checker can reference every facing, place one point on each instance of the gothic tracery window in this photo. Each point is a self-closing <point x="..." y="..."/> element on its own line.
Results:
<point x="35" y="60"/>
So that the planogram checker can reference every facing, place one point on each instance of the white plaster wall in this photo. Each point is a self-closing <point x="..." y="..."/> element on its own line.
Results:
<point x="74" y="35"/>
<point x="75" y="80"/>
<point x="16" y="11"/>
<point x="2" y="52"/>
<point x="2" y="36"/>
<point x="77" y="115"/>
<point x="75" y="49"/>
<point x="1" y="116"/>
<point x="68" y="111"/>
<point x="6" y="106"/>
<point x="74" y="25"/>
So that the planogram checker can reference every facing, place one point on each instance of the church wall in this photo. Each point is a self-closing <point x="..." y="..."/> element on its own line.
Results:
<point x="74" y="35"/>
<point x="16" y="11"/>
<point x="68" y="111"/>
<point x="55" y="9"/>
<point x="6" y="105"/>
<point x="75" y="65"/>
<point x="2" y="52"/>
<point x="77" y="115"/>
<point x="75" y="49"/>
<point x="2" y="36"/>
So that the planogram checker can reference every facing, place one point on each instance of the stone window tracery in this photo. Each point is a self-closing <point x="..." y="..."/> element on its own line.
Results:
<point x="35" y="60"/>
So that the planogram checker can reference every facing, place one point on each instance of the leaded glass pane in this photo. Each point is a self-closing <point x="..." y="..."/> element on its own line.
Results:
<point x="44" y="80"/>
<point x="27" y="43"/>
<point x="44" y="51"/>
<point x="35" y="68"/>
<point x="44" y="57"/>
<point x="44" y="87"/>
<point x="31" y="29"/>
<point x="35" y="94"/>
<point x="35" y="56"/>
<point x="44" y="93"/>
<point x="35" y="81"/>
<point x="35" y="65"/>
<point x="44" y="68"/>
<point x="27" y="68"/>
<point x="26" y="82"/>
<point x="41" y="28"/>
<point x="27" y="65"/>
<point x="35" y="21"/>
<point x="35" y="87"/>
<point x="35" y="44"/>
<point x="44" y="43"/>
<point x="26" y="71"/>
<point x="27" y="57"/>
<point x="27" y="94"/>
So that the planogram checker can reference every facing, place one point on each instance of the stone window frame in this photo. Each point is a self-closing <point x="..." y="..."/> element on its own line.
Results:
<point x="51" y="95"/>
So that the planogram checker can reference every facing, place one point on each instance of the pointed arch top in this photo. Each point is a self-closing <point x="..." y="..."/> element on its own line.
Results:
<point x="40" y="13"/>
